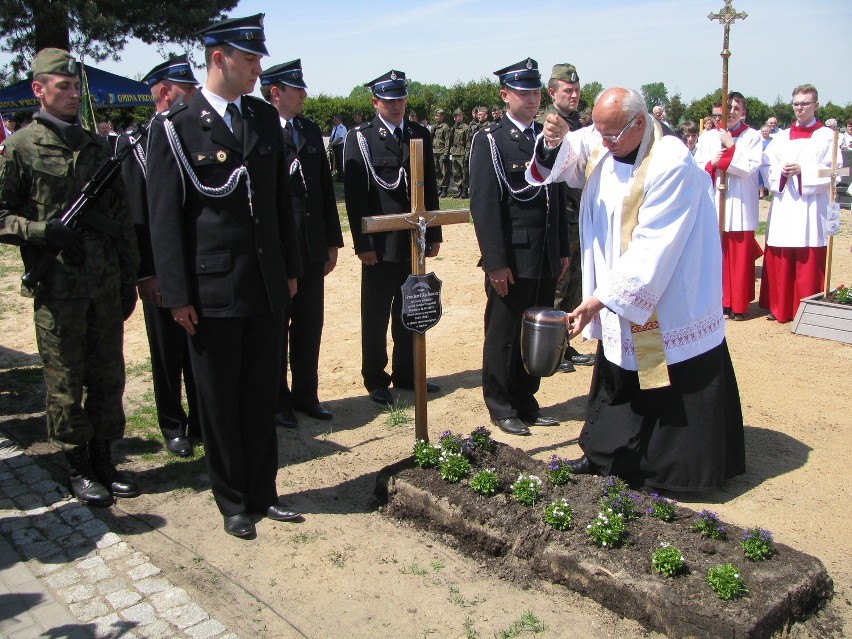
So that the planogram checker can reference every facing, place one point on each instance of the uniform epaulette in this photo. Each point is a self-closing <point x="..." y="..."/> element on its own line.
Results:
<point x="169" y="113"/>
<point x="362" y="126"/>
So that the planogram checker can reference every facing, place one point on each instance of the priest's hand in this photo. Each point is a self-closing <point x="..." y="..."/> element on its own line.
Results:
<point x="582" y="315"/>
<point x="186" y="317"/>
<point x="500" y="279"/>
<point x="790" y="169"/>
<point x="555" y="130"/>
<point x="368" y="258"/>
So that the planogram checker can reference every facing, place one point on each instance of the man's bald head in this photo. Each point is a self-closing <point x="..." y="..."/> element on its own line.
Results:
<point x="620" y="113"/>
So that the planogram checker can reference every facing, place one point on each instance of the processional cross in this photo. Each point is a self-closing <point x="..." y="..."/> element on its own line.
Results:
<point x="832" y="174"/>
<point x="727" y="16"/>
<point x="415" y="223"/>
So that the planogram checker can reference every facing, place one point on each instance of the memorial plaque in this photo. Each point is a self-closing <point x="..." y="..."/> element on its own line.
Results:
<point x="421" y="302"/>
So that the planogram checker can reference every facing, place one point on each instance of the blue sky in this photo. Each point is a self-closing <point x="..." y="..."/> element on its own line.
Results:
<point x="781" y="44"/>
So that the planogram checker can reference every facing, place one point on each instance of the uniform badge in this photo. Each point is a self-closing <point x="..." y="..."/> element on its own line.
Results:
<point x="529" y="63"/>
<point x="514" y="133"/>
<point x="207" y="118"/>
<point x="383" y="132"/>
<point x="393" y="75"/>
<point x="221" y="156"/>
<point x="72" y="66"/>
<point x="312" y="149"/>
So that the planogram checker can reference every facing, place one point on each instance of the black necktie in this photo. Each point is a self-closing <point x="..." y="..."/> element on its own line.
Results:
<point x="289" y="127"/>
<point x="530" y="133"/>
<point x="397" y="133"/>
<point x="236" y="121"/>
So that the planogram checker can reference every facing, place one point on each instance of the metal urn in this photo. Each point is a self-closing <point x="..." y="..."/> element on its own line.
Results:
<point x="544" y="337"/>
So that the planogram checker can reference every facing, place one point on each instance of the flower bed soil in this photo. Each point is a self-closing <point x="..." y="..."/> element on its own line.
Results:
<point x="516" y="543"/>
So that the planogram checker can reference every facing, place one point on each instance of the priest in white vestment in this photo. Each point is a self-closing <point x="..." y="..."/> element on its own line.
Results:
<point x="738" y="151"/>
<point x="664" y="409"/>
<point x="796" y="237"/>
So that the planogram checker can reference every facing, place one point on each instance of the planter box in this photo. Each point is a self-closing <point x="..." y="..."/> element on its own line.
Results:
<point x="827" y="320"/>
<point x="514" y="542"/>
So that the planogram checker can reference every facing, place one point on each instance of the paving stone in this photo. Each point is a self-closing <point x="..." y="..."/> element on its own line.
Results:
<point x="98" y="573"/>
<point x="96" y="529"/>
<point x="169" y="599"/>
<point x="28" y="500"/>
<point x="24" y="536"/>
<point x="40" y="550"/>
<point x="87" y="610"/>
<point x="159" y="629"/>
<point x="77" y="593"/>
<point x="109" y="539"/>
<point x="141" y="613"/>
<point x="15" y="523"/>
<point x="35" y="475"/>
<point x="113" y="553"/>
<point x="17" y="459"/>
<point x="150" y="585"/>
<point x="73" y="540"/>
<point x="123" y="598"/>
<point x="142" y="571"/>
<point x="110" y="626"/>
<point x="206" y="629"/>
<point x="62" y="579"/>
<point x="136" y="559"/>
<point x="47" y="565"/>
<point x="186" y="616"/>
<point x="107" y="586"/>
<point x="74" y="513"/>
<point x="90" y="562"/>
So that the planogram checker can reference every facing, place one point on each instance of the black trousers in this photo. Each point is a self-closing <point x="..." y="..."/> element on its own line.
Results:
<point x="381" y="301"/>
<point x="686" y="436"/>
<point x="508" y="389"/>
<point x="302" y="338"/>
<point x="170" y="362"/>
<point x="237" y="367"/>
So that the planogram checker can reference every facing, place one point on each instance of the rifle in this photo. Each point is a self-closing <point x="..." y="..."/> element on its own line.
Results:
<point x="90" y="192"/>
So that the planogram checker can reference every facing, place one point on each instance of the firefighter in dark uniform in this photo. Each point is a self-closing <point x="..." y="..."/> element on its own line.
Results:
<point x="170" y="82"/>
<point x="523" y="237"/>
<point x="320" y="237"/>
<point x="377" y="181"/>
<point x="227" y="258"/>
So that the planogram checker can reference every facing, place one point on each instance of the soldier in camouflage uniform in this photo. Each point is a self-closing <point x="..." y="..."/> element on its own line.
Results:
<point x="441" y="152"/>
<point x="564" y="90"/>
<point x="459" y="152"/>
<point x="81" y="303"/>
<point x="479" y="122"/>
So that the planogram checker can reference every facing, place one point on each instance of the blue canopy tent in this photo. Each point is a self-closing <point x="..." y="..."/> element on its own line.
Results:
<point x="107" y="90"/>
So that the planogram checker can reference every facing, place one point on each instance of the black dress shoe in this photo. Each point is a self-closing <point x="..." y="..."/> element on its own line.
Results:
<point x="382" y="396"/>
<point x="581" y="466"/>
<point x="240" y="526"/>
<point x="738" y="317"/>
<point x="566" y="366"/>
<point x="179" y="446"/>
<point x="540" y="420"/>
<point x="280" y="512"/>
<point x="431" y="387"/>
<point x="583" y="360"/>
<point x="317" y="411"/>
<point x="511" y="425"/>
<point x="771" y="317"/>
<point x="286" y="419"/>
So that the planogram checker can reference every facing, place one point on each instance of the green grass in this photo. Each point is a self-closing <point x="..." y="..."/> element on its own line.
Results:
<point x="528" y="624"/>
<point x="398" y="414"/>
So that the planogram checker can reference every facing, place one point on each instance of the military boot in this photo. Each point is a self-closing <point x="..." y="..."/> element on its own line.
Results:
<point x="119" y="484"/>
<point x="442" y="192"/>
<point x="83" y="483"/>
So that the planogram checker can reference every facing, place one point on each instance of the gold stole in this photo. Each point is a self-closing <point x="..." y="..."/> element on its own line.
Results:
<point x="647" y="338"/>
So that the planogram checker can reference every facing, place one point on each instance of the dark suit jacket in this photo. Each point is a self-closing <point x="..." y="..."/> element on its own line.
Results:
<point x="137" y="201"/>
<point x="513" y="232"/>
<point x="365" y="198"/>
<point x="314" y="204"/>
<point x="215" y="252"/>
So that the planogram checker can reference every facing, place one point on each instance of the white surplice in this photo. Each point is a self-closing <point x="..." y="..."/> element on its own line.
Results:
<point x="674" y="261"/>
<point x="743" y="189"/>
<point x="797" y="217"/>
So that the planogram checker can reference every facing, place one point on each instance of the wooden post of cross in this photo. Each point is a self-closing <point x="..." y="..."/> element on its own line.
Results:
<point x="832" y="174"/>
<point x="413" y="222"/>
<point x="727" y="16"/>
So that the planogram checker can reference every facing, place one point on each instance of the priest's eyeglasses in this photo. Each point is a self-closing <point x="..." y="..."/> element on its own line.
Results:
<point x="613" y="139"/>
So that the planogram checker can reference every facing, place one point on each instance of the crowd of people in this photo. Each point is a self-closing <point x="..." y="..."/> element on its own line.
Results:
<point x="225" y="225"/>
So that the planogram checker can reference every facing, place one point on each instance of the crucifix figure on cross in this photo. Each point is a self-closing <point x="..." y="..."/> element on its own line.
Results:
<point x="422" y="291"/>
<point x="727" y="16"/>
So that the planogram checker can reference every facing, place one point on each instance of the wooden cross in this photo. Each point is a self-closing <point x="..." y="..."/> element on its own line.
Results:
<point x="727" y="16"/>
<point x="832" y="174"/>
<point x="418" y="218"/>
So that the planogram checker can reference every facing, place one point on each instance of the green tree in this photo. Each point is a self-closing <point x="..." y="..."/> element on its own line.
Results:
<point x="101" y="28"/>
<point x="675" y="110"/>
<point x="655" y="94"/>
<point x="701" y="107"/>
<point x="757" y="113"/>
<point x="467" y="95"/>
<point x="588" y="93"/>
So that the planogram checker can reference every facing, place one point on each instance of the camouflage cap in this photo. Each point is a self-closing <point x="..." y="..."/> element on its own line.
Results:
<point x="458" y="112"/>
<point x="565" y="72"/>
<point x="437" y="111"/>
<point x="56" y="61"/>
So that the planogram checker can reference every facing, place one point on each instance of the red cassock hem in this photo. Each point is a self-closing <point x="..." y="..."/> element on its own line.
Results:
<point x="739" y="252"/>
<point x="789" y="274"/>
